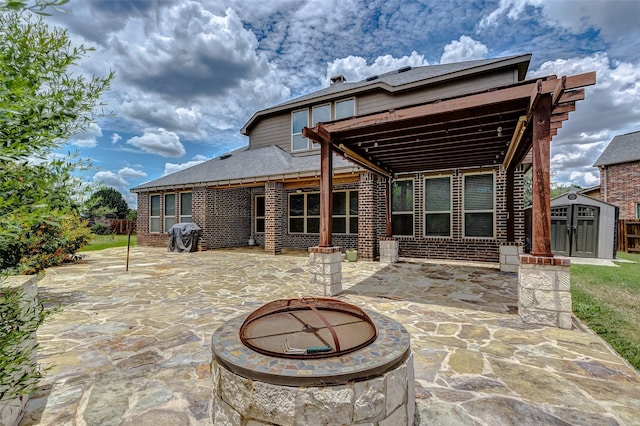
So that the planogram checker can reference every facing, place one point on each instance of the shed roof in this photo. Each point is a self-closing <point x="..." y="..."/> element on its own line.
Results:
<point x="398" y="80"/>
<point x="622" y="149"/>
<point x="243" y="166"/>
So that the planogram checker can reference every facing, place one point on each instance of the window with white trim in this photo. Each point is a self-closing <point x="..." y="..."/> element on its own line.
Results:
<point x="169" y="211"/>
<point x="479" y="205"/>
<point x="437" y="206"/>
<point x="260" y="217"/>
<point x="317" y="114"/>
<point x="299" y="120"/>
<point x="154" y="213"/>
<point x="185" y="207"/>
<point x="304" y="212"/>
<point x="402" y="207"/>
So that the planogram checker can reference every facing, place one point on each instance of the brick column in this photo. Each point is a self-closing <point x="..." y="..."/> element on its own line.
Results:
<point x="199" y="214"/>
<point x="367" y="216"/>
<point x="273" y="199"/>
<point x="544" y="295"/>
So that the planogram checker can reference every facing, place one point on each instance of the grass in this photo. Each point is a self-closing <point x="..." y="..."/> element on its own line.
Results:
<point x="608" y="300"/>
<point x="100" y="242"/>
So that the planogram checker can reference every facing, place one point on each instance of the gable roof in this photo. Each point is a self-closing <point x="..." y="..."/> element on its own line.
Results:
<point x="402" y="79"/>
<point x="622" y="149"/>
<point x="244" y="166"/>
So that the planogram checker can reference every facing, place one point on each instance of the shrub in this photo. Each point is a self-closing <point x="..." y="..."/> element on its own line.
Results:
<point x="19" y="372"/>
<point x="99" y="228"/>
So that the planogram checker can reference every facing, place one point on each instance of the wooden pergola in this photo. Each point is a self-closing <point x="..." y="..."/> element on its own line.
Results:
<point x="496" y="127"/>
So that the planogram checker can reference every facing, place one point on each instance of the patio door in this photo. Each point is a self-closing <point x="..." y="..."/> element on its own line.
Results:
<point x="574" y="230"/>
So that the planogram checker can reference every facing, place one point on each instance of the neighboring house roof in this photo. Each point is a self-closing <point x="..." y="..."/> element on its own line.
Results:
<point x="621" y="149"/>
<point x="242" y="166"/>
<point x="402" y="79"/>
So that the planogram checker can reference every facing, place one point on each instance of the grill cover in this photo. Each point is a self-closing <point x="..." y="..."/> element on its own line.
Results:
<point x="183" y="237"/>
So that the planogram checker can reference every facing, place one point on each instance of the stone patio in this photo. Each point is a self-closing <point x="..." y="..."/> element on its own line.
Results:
<point x="133" y="348"/>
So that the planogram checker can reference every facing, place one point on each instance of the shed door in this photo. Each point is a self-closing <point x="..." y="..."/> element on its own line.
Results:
<point x="560" y="230"/>
<point x="574" y="230"/>
<point x="585" y="231"/>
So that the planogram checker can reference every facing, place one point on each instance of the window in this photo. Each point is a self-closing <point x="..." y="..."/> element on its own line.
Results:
<point x="169" y="211"/>
<point x="185" y="207"/>
<point x="402" y="207"/>
<point x="320" y="114"/>
<point x="437" y="207"/>
<point x="317" y="114"/>
<point x="638" y="211"/>
<point x="154" y="214"/>
<point x="259" y="227"/>
<point x="299" y="120"/>
<point x="478" y="205"/>
<point x="304" y="212"/>
<point x="345" y="108"/>
<point x="345" y="212"/>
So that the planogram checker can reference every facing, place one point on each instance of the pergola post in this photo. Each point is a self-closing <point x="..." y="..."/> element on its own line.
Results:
<point x="325" y="260"/>
<point x="541" y="180"/>
<point x="544" y="295"/>
<point x="388" y="245"/>
<point x="326" y="194"/>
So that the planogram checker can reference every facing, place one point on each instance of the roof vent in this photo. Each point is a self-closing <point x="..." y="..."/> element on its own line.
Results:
<point x="224" y="157"/>
<point x="372" y="77"/>
<point x="338" y="79"/>
<point x="404" y="69"/>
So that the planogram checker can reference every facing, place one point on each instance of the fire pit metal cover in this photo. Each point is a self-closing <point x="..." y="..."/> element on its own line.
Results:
<point x="307" y="328"/>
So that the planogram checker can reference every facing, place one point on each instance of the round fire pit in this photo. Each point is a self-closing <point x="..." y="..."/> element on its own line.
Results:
<point x="312" y="361"/>
<point x="307" y="328"/>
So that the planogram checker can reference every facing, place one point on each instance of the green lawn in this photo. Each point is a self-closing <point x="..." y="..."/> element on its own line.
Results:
<point x="608" y="300"/>
<point x="100" y="242"/>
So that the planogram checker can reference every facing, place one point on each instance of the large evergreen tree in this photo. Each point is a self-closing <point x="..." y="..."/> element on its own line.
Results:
<point x="42" y="105"/>
<point x="107" y="202"/>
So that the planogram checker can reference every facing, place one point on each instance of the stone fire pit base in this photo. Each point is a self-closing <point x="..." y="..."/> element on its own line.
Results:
<point x="383" y="400"/>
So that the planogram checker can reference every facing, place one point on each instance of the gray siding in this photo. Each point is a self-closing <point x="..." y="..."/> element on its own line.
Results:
<point x="272" y="131"/>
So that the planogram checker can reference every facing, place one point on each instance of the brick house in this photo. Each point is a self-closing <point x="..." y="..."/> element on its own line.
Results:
<point x="619" y="166"/>
<point x="447" y="182"/>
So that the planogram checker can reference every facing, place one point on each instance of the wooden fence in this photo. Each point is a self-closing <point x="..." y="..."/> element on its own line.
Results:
<point x="122" y="226"/>
<point x="629" y="236"/>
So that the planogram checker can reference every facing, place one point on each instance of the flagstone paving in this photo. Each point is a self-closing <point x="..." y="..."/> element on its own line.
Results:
<point x="133" y="348"/>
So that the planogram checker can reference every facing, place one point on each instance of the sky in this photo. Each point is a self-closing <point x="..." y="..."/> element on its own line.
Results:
<point x="190" y="74"/>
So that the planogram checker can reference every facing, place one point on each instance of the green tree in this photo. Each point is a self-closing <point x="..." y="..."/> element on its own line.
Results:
<point x="107" y="202"/>
<point x="36" y="6"/>
<point x="42" y="105"/>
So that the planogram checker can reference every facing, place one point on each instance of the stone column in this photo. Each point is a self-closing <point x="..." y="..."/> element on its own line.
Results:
<point x="510" y="257"/>
<point x="273" y="199"/>
<point x="388" y="250"/>
<point x="544" y="295"/>
<point x="367" y="216"/>
<point x="325" y="266"/>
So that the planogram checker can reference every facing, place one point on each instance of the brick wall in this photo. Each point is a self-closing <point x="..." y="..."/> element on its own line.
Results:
<point x="229" y="224"/>
<point x="621" y="186"/>
<point x="226" y="218"/>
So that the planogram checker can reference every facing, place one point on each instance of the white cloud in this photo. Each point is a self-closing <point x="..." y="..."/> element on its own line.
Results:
<point x="159" y="141"/>
<point x="615" y="18"/>
<point x="355" y="68"/>
<point x="130" y="173"/>
<point x="88" y="139"/>
<point x="115" y="138"/>
<point x="109" y="179"/>
<point x="173" y="167"/>
<point x="464" y="49"/>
